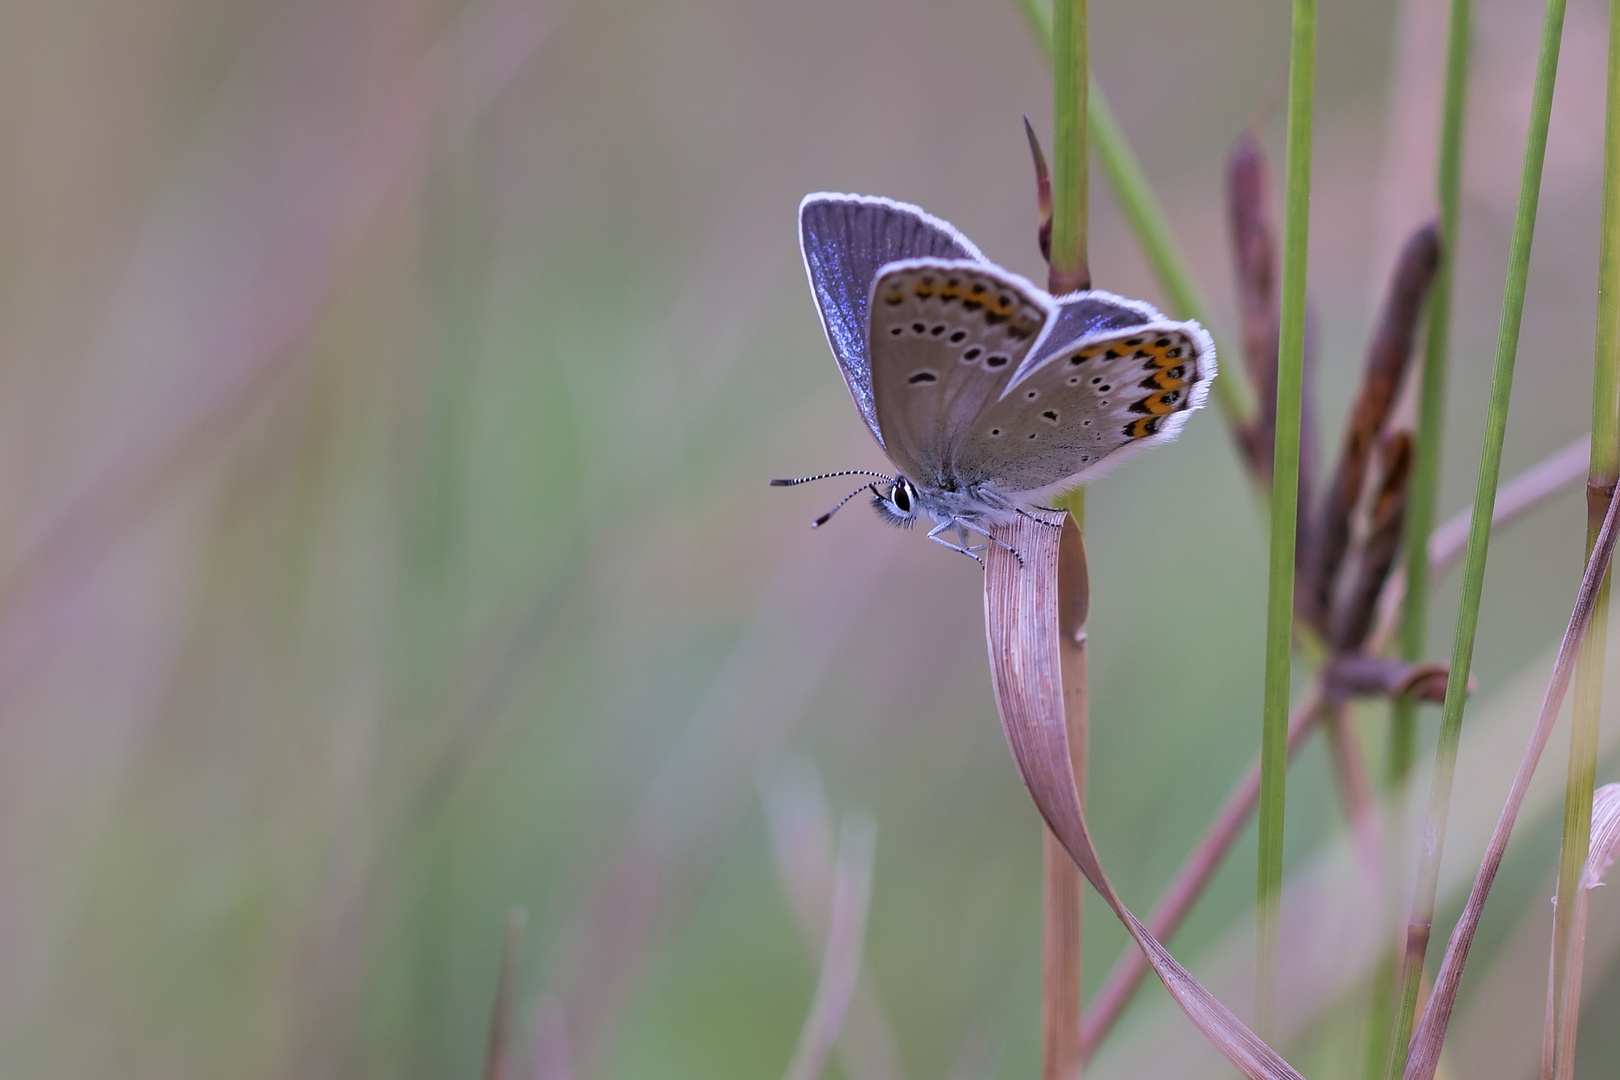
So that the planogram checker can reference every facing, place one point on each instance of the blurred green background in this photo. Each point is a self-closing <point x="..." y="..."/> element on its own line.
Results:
<point x="388" y="390"/>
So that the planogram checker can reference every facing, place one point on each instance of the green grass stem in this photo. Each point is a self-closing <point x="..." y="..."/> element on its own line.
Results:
<point x="1479" y="535"/>
<point x="1422" y="495"/>
<point x="1070" y="162"/>
<point x="1068" y="270"/>
<point x="1601" y="478"/>
<point x="1284" y="506"/>
<point x="1145" y="217"/>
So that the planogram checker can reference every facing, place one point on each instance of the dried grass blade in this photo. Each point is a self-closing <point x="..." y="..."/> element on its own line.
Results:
<point x="801" y="829"/>
<point x="1424" y="1054"/>
<point x="1028" y="630"/>
<point x="846" y="938"/>
<point x="1604" y="849"/>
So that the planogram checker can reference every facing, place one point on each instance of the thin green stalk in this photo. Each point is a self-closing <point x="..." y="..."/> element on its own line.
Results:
<point x="1479" y="536"/>
<point x="1421" y="498"/>
<point x="1148" y="224"/>
<point x="1422" y="495"/>
<point x="1070" y="190"/>
<point x="1601" y="478"/>
<point x="1284" y="507"/>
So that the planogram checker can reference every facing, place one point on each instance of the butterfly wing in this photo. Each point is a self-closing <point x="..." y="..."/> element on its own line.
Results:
<point x="1078" y="407"/>
<point x="1091" y="314"/>
<point x="846" y="240"/>
<point x="946" y="337"/>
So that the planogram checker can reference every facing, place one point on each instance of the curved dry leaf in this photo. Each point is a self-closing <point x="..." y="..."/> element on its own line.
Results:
<point x="1031" y="608"/>
<point x="1605" y="835"/>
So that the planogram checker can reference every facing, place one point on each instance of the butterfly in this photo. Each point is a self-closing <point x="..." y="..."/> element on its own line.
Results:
<point x="988" y="395"/>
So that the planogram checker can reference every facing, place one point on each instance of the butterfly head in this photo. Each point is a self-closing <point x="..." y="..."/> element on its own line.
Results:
<point x="899" y="505"/>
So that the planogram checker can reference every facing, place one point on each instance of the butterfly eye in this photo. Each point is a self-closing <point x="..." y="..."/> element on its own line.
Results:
<point x="900" y="496"/>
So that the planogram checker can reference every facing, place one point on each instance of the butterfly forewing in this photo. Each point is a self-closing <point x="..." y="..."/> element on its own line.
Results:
<point x="946" y="337"/>
<point x="1087" y="406"/>
<point x="846" y="240"/>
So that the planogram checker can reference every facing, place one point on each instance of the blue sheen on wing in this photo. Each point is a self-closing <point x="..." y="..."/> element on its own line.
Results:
<point x="1084" y="314"/>
<point x="845" y="240"/>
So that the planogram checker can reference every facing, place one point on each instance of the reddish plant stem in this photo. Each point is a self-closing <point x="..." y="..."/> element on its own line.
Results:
<point x="1062" y="1052"/>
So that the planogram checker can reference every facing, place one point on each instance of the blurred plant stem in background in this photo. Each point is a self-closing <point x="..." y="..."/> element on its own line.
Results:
<point x="1284" y="512"/>
<point x="1564" y="989"/>
<point x="1421" y="921"/>
<point x="1421" y="509"/>
<point x="1423" y="492"/>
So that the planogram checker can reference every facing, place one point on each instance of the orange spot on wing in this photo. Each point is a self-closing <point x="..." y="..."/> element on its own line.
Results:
<point x="1159" y="404"/>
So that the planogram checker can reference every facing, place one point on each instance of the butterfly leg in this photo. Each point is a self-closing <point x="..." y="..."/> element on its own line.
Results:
<point x="1008" y="548"/>
<point x="961" y="545"/>
<point x="1051" y="510"/>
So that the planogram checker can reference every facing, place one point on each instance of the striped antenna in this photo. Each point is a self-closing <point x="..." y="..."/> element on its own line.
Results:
<point x="829" y="475"/>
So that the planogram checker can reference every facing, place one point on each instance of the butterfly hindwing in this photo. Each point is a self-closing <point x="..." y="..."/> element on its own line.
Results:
<point x="1091" y="314"/>
<point x="846" y="240"/>
<point x="946" y="337"/>
<point x="1081" y="408"/>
